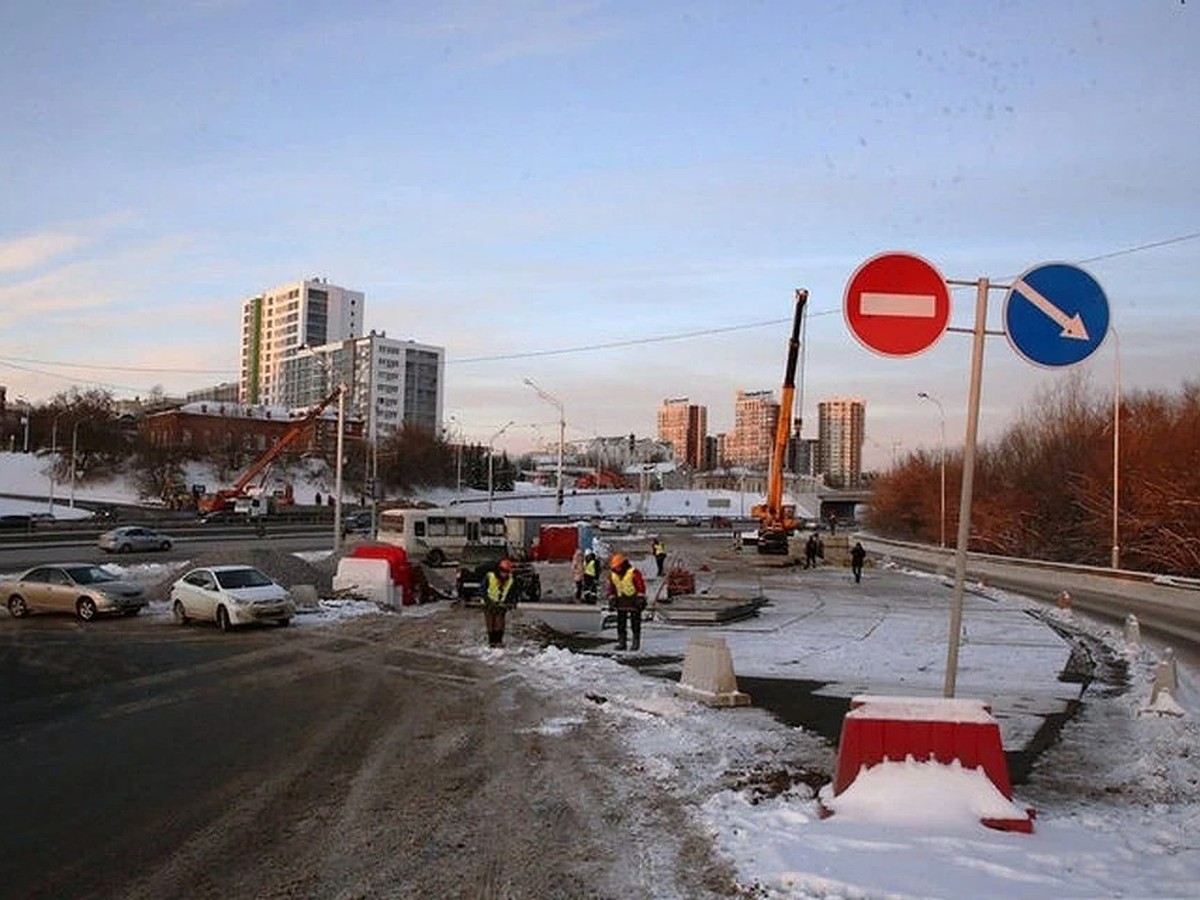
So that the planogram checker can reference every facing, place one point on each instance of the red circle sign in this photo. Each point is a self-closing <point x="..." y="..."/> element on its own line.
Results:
<point x="897" y="304"/>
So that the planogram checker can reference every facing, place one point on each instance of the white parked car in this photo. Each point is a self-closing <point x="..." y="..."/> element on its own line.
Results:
<point x="229" y="596"/>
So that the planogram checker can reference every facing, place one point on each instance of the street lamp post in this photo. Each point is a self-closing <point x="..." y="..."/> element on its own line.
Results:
<point x="491" y="453"/>
<point x="53" y="459"/>
<point x="74" y="445"/>
<point x="942" y="456"/>
<point x="562" y="430"/>
<point x="337" y="478"/>
<point x="1116" y="473"/>
<point x="457" y="434"/>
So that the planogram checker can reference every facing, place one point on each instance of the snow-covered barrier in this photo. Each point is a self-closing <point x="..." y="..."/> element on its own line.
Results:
<point x="941" y="731"/>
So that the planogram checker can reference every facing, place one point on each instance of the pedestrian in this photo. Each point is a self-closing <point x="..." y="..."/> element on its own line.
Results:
<point x="577" y="573"/>
<point x="496" y="601"/>
<point x="591" y="577"/>
<point x="810" y="552"/>
<point x="832" y="522"/>
<point x="317" y="499"/>
<point x="627" y="595"/>
<point x="659" y="551"/>
<point x="857" y="557"/>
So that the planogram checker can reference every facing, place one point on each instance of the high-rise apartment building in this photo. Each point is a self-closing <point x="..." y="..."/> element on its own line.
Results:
<point x="684" y="426"/>
<point x="276" y="323"/>
<point x="841" y="430"/>
<point x="389" y="383"/>
<point x="753" y="437"/>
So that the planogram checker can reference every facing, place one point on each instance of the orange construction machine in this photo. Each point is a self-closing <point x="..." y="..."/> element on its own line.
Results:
<point x="226" y="498"/>
<point x="776" y="522"/>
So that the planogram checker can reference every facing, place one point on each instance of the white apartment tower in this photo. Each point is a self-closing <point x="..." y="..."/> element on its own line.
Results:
<point x="278" y="322"/>
<point x="389" y="383"/>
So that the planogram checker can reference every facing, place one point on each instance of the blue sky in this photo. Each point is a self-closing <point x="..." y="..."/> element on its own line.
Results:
<point x="513" y="179"/>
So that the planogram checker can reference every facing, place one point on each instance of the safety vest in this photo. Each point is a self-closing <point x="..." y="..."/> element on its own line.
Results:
<point x="624" y="584"/>
<point x="589" y="567"/>
<point x="497" y="590"/>
<point x="658" y="548"/>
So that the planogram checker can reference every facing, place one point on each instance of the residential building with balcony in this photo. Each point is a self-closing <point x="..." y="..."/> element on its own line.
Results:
<point x="277" y="323"/>
<point x="841" y="430"/>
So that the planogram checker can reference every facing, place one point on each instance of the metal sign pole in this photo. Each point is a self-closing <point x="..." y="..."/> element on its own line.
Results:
<point x="968" y="483"/>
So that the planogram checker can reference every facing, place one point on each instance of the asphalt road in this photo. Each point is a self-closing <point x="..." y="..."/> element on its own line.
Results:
<point x="16" y="556"/>
<point x="370" y="758"/>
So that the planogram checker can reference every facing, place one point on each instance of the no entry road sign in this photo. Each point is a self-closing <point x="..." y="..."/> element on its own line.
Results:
<point x="897" y="304"/>
<point x="1056" y="314"/>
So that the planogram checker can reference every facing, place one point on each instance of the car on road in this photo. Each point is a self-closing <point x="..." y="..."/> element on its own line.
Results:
<point x="358" y="522"/>
<point x="131" y="538"/>
<point x="85" y="589"/>
<point x="230" y="596"/>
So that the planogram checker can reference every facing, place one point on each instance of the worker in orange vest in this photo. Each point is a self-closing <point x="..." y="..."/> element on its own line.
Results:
<point x="627" y="595"/>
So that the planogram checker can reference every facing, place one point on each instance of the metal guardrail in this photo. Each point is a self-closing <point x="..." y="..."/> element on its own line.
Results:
<point x="1165" y="604"/>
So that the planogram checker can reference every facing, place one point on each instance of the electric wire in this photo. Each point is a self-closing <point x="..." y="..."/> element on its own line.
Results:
<point x="13" y="362"/>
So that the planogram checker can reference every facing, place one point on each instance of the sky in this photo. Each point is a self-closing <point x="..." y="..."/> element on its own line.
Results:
<point x="615" y="200"/>
<point x="1117" y="797"/>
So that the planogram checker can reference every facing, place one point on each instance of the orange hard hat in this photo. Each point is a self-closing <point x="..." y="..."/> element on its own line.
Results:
<point x="506" y="565"/>
<point x="617" y="561"/>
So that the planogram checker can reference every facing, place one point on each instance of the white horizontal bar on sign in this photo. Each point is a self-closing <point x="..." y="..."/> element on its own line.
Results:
<point x="916" y="306"/>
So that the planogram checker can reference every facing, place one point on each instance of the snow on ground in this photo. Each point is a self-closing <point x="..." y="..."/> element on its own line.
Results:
<point x="1128" y="829"/>
<point x="1117" y="798"/>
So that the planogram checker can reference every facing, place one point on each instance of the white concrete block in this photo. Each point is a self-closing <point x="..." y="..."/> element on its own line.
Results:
<point x="370" y="578"/>
<point x="708" y="674"/>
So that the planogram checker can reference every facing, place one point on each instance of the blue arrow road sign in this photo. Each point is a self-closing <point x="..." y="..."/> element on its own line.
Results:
<point x="1056" y="314"/>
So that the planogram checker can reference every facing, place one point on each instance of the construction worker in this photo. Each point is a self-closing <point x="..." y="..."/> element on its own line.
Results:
<point x="627" y="595"/>
<point x="659" y="551"/>
<point x="496" y="601"/>
<point x="591" y="576"/>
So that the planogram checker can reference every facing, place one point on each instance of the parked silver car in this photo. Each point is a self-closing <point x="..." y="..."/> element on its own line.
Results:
<point x="229" y="596"/>
<point x="130" y="538"/>
<point x="85" y="589"/>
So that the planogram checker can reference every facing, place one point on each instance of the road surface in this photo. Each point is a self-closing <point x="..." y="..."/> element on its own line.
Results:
<point x="368" y="759"/>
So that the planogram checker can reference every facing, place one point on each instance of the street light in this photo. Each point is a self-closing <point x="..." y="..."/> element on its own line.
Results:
<point x="922" y="395"/>
<point x="491" y="451"/>
<point x="1116" y="476"/>
<point x="53" y="458"/>
<point x="458" y="455"/>
<point x="562" y="429"/>
<point x="74" y="444"/>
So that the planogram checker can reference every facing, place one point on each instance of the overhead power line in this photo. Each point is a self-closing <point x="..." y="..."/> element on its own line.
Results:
<point x="560" y="351"/>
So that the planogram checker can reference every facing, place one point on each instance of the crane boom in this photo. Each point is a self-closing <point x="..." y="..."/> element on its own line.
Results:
<point x="776" y="521"/>
<point x="226" y="496"/>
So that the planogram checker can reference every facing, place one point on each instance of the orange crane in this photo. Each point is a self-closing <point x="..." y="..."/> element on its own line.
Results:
<point x="776" y="522"/>
<point x="225" y="497"/>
